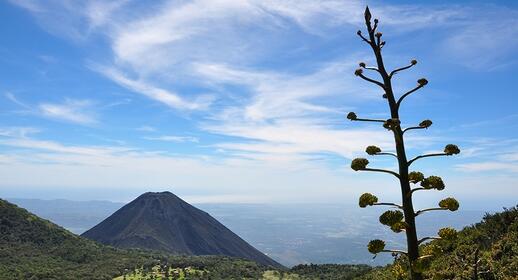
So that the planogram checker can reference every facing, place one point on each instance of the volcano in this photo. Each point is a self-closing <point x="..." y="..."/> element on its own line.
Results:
<point x="164" y="222"/>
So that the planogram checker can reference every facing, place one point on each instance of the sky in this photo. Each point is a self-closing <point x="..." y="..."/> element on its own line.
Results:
<point x="245" y="100"/>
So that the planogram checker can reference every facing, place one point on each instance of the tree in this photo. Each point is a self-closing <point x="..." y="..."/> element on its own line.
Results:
<point x="402" y="219"/>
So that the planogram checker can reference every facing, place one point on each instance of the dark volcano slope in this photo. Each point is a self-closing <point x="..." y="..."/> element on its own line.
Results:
<point x="164" y="222"/>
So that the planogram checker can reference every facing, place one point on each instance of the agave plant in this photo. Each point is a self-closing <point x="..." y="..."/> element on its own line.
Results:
<point x="403" y="218"/>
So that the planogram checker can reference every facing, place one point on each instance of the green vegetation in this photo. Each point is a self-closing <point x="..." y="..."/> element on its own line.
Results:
<point x="330" y="271"/>
<point x="299" y="272"/>
<point x="487" y="251"/>
<point x="33" y="248"/>
<point x="164" y="273"/>
<point x="403" y="219"/>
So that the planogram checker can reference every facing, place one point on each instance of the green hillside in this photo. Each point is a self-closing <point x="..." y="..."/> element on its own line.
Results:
<point x="34" y="248"/>
<point x="488" y="248"/>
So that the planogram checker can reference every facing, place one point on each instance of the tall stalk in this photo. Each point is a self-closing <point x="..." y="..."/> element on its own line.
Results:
<point x="402" y="219"/>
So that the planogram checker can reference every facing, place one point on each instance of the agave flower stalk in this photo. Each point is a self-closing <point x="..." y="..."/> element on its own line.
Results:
<point x="403" y="219"/>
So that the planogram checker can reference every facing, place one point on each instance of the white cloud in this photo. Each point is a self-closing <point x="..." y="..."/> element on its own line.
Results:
<point x="18" y="132"/>
<point x="75" y="111"/>
<point x="166" y="97"/>
<point x="70" y="110"/>
<point x="99" y="12"/>
<point x="55" y="147"/>
<point x="125" y="167"/>
<point x="31" y="5"/>
<point x="273" y="93"/>
<point x="298" y="138"/>
<point x="512" y="156"/>
<point x="485" y="42"/>
<point x="146" y="128"/>
<point x="14" y="99"/>
<point x="173" y="138"/>
<point x="489" y="166"/>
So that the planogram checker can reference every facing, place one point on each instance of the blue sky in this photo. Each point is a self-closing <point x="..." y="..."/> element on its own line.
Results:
<point x="245" y="101"/>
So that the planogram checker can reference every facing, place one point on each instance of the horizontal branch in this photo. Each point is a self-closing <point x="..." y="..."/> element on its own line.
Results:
<point x="427" y="238"/>
<point x="413" y="127"/>
<point x="425" y="156"/>
<point x="402" y="68"/>
<point x="395" y="251"/>
<point x="385" y="154"/>
<point x="414" y="190"/>
<point x="371" y="80"/>
<point x="429" y="209"/>
<point x="380" y="170"/>
<point x="372" y="68"/>
<point x="407" y="94"/>
<point x="369" y="120"/>
<point x="389" y="204"/>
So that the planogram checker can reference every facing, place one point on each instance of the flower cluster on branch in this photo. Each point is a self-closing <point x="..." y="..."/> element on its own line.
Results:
<point x="433" y="182"/>
<point x="425" y="124"/>
<point x="372" y="150"/>
<point x="391" y="217"/>
<point x="359" y="164"/>
<point x="449" y="203"/>
<point x="415" y="177"/>
<point x="367" y="199"/>
<point x="451" y="149"/>
<point x="376" y="246"/>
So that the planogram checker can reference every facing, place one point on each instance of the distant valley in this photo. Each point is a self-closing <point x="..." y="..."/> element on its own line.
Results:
<point x="289" y="233"/>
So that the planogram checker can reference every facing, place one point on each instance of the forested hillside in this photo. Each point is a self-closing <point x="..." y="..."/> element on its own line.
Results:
<point x="34" y="248"/>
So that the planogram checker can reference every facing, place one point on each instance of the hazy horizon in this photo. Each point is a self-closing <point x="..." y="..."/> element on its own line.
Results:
<point x="115" y="196"/>
<point x="290" y="233"/>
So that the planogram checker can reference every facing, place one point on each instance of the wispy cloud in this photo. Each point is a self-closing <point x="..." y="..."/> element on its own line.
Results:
<point x="112" y="167"/>
<point x="30" y="5"/>
<point x="492" y="155"/>
<point x="489" y="166"/>
<point x="173" y="138"/>
<point x="14" y="99"/>
<point x="486" y="41"/>
<point x="18" y="132"/>
<point x="75" y="111"/>
<point x="99" y="12"/>
<point x="272" y="92"/>
<point x="146" y="128"/>
<point x="70" y="110"/>
<point x="166" y="97"/>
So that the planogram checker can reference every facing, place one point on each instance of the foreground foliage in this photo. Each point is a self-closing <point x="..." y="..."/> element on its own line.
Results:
<point x="33" y="248"/>
<point x="486" y="251"/>
<point x="299" y="272"/>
